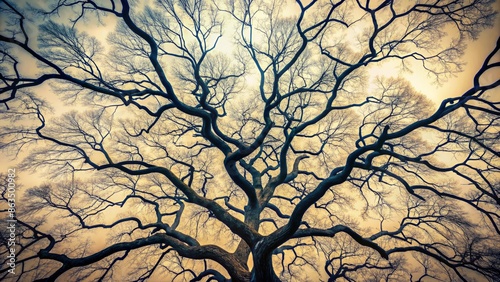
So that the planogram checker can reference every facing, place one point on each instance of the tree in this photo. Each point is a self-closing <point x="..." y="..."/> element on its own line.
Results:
<point x="249" y="140"/>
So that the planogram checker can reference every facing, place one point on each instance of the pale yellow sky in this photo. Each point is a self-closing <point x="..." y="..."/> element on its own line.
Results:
<point x="474" y="55"/>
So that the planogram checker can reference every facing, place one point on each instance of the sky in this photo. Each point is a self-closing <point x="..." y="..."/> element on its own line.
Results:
<point x="474" y="55"/>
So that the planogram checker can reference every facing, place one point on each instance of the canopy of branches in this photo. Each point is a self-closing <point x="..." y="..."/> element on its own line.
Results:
<point x="264" y="140"/>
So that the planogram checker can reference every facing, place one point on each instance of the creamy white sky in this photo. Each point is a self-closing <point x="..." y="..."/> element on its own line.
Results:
<point x="474" y="55"/>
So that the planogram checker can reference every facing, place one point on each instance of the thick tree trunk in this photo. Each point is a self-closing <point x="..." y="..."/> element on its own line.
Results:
<point x="263" y="270"/>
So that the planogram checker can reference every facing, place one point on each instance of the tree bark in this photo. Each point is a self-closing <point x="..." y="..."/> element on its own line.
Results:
<point x="263" y="266"/>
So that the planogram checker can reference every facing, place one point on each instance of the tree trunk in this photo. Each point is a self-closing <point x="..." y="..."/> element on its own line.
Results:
<point x="263" y="270"/>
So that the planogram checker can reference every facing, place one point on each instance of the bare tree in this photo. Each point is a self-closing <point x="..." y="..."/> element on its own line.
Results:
<point x="249" y="141"/>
